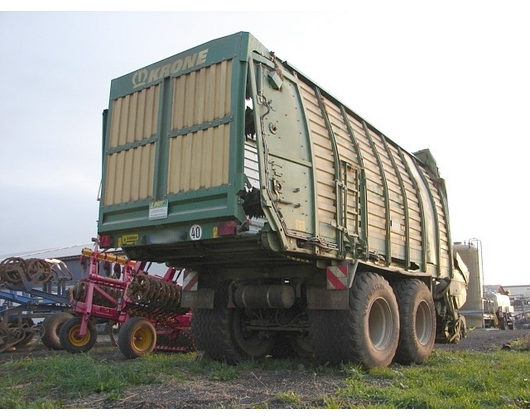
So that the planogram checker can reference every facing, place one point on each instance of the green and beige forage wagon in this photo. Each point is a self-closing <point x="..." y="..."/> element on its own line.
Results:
<point x="302" y="228"/>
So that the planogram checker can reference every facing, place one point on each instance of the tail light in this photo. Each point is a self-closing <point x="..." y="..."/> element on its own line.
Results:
<point x="227" y="228"/>
<point x="105" y="241"/>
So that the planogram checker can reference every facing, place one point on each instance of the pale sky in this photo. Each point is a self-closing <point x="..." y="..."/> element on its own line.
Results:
<point x="449" y="76"/>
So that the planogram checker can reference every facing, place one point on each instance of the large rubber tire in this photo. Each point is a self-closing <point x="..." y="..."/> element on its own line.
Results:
<point x="417" y="319"/>
<point x="51" y="326"/>
<point x="137" y="337"/>
<point x="71" y="341"/>
<point x="366" y="334"/>
<point x="221" y="334"/>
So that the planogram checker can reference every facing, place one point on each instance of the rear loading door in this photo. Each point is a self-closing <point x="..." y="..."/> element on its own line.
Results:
<point x="171" y="147"/>
<point x="284" y="151"/>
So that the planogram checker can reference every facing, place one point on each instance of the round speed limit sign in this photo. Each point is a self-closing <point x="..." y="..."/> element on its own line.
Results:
<point x="195" y="232"/>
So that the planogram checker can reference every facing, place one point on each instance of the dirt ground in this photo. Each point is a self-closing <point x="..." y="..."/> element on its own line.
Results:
<point x="486" y="339"/>
<point x="254" y="389"/>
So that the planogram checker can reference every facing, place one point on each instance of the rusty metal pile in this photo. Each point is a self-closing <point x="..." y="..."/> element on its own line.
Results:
<point x="18" y="271"/>
<point x="22" y="277"/>
<point x="11" y="335"/>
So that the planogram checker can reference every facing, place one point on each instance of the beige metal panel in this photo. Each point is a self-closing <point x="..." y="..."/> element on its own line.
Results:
<point x="415" y="229"/>
<point x="344" y="142"/>
<point x="134" y="117"/>
<point x="369" y="161"/>
<point x="351" y="182"/>
<point x="376" y="217"/>
<point x="348" y="155"/>
<point x="201" y="96"/>
<point x="402" y="190"/>
<point x="198" y="160"/>
<point x="395" y="197"/>
<point x="130" y="171"/>
<point x="110" y="181"/>
<point x="428" y="219"/>
<point x="326" y="171"/>
<point x="444" y="240"/>
<point x="414" y="215"/>
<point x="251" y="162"/>
<point x="415" y="233"/>
<point x="130" y="175"/>
<point x="324" y="162"/>
<point x="376" y="212"/>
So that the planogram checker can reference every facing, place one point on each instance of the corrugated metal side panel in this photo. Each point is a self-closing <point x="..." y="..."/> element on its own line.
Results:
<point x="130" y="170"/>
<point x="395" y="198"/>
<point x="134" y="117"/>
<point x="400" y="191"/>
<point x="414" y="213"/>
<point x="251" y="162"/>
<point x="349" y="156"/>
<point x="202" y="96"/>
<point x="325" y="171"/>
<point x="376" y="213"/>
<point x="376" y="199"/>
<point x="199" y="158"/>
<point x="429" y="245"/>
<point x="323" y="162"/>
<point x="130" y="175"/>
<point x="444" y="239"/>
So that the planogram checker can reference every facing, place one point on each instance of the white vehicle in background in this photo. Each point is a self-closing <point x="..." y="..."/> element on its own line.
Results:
<point x="498" y="311"/>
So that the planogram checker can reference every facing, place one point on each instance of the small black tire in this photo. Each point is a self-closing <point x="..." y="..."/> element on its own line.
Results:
<point x="51" y="326"/>
<point x="71" y="341"/>
<point x="137" y="337"/>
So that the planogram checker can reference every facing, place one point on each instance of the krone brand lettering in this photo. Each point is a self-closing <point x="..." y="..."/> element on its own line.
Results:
<point x="143" y="76"/>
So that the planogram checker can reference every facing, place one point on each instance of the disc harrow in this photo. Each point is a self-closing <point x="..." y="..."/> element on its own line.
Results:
<point x="155" y="293"/>
<point x="146" y="308"/>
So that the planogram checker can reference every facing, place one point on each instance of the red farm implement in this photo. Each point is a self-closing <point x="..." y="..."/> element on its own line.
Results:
<point x="145" y="308"/>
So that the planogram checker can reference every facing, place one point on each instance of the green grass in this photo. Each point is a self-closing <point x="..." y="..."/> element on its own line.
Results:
<point x="449" y="380"/>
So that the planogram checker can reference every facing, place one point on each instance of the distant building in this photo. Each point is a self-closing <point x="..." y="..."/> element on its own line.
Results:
<point x="518" y="291"/>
